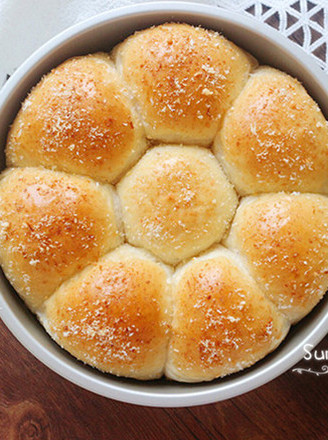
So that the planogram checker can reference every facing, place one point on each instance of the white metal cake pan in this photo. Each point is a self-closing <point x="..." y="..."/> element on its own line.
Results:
<point x="102" y="33"/>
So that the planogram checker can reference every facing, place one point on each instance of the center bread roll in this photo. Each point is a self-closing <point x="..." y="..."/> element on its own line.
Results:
<point x="176" y="202"/>
<point x="222" y="321"/>
<point x="116" y="314"/>
<point x="183" y="79"/>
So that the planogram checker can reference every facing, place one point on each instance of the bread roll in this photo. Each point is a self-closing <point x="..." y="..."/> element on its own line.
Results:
<point x="222" y="322"/>
<point x="176" y="202"/>
<point x="78" y="119"/>
<point x="115" y="314"/>
<point x="284" y="239"/>
<point x="275" y="137"/>
<point x="51" y="226"/>
<point x="183" y="79"/>
<point x="87" y="124"/>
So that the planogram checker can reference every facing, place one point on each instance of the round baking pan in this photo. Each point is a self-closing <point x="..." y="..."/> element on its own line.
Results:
<point x="102" y="33"/>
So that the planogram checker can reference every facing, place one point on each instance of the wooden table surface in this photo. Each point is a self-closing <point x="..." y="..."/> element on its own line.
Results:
<point x="37" y="404"/>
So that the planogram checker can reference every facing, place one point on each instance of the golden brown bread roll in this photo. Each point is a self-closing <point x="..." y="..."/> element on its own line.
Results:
<point x="222" y="322"/>
<point x="275" y="137"/>
<point x="115" y="314"/>
<point x="51" y="226"/>
<point x="78" y="119"/>
<point x="284" y="239"/>
<point x="183" y="79"/>
<point x="125" y="312"/>
<point x="176" y="202"/>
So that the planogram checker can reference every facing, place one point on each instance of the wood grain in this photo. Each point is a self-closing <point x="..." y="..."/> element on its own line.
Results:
<point x="37" y="404"/>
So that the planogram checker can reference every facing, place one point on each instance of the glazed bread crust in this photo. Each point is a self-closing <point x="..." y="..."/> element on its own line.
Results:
<point x="176" y="202"/>
<point x="78" y="119"/>
<point x="139" y="159"/>
<point x="222" y="321"/>
<point x="284" y="240"/>
<point x="183" y="80"/>
<point x="275" y="137"/>
<point x="115" y="314"/>
<point x="52" y="226"/>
